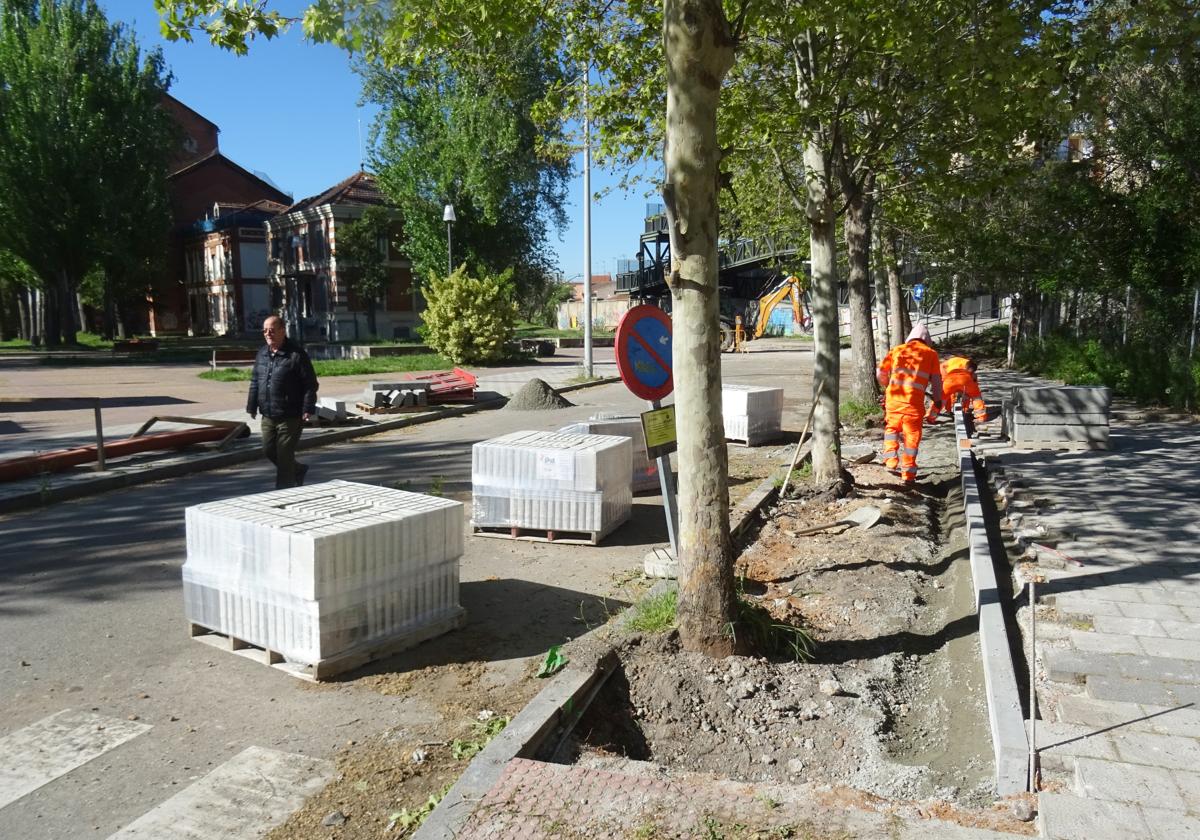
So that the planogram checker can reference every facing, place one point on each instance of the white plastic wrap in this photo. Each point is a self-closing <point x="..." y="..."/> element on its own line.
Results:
<point x="752" y="414"/>
<point x="645" y="471"/>
<point x="313" y="571"/>
<point x="552" y="481"/>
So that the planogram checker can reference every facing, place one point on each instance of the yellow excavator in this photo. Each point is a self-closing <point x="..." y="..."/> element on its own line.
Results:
<point x="736" y="332"/>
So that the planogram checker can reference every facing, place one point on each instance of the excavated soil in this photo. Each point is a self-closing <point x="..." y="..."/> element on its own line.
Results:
<point x="536" y="395"/>
<point x="891" y="703"/>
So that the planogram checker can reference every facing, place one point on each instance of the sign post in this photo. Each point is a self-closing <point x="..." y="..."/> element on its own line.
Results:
<point x="643" y="350"/>
<point x="918" y="292"/>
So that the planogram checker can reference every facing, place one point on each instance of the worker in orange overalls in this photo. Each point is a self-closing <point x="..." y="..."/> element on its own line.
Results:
<point x="961" y="385"/>
<point x="909" y="374"/>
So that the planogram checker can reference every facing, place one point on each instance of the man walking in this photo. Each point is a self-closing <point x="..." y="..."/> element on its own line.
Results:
<point x="909" y="374"/>
<point x="283" y="386"/>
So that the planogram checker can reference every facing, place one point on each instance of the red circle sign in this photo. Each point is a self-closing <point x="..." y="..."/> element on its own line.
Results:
<point x="643" y="345"/>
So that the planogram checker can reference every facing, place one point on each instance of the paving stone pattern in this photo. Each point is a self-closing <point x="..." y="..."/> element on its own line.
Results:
<point x="1119" y="674"/>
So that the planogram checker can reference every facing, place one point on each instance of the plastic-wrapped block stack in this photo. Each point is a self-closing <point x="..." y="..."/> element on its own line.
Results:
<point x="645" y="471"/>
<point x="315" y="572"/>
<point x="552" y="481"/>
<point x="753" y="414"/>
<point x="1049" y="416"/>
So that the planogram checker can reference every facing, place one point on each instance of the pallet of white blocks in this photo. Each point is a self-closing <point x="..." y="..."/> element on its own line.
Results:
<point x="645" y="470"/>
<point x="322" y="579"/>
<point x="1058" y="417"/>
<point x="551" y="486"/>
<point x="753" y="414"/>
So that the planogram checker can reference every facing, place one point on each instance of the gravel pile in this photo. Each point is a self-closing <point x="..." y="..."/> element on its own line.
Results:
<point x="536" y="395"/>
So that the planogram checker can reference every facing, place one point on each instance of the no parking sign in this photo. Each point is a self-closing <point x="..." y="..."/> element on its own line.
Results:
<point x="643" y="345"/>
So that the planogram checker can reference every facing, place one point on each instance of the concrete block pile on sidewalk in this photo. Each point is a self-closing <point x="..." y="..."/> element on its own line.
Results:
<point x="1046" y="415"/>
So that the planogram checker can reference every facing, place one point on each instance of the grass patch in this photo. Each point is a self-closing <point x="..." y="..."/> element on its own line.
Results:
<point x="768" y="636"/>
<point x="348" y="367"/>
<point x="482" y="732"/>
<point x="528" y="330"/>
<point x="655" y="615"/>
<point x="856" y="413"/>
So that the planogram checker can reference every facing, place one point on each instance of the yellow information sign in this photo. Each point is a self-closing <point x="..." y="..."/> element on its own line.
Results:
<point x="658" y="425"/>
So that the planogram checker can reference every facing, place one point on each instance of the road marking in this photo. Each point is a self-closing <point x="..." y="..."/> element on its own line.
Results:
<point x="243" y="798"/>
<point x="54" y="746"/>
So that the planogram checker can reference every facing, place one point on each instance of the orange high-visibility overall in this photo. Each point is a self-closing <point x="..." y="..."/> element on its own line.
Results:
<point x="909" y="374"/>
<point x="959" y="384"/>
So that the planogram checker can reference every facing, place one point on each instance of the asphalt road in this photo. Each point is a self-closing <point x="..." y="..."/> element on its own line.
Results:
<point x="92" y="625"/>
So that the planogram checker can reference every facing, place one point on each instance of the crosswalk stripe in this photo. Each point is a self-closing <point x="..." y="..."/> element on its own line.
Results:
<point x="54" y="746"/>
<point x="244" y="797"/>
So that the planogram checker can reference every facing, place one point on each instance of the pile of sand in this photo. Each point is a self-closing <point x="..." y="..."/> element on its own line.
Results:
<point x="536" y="395"/>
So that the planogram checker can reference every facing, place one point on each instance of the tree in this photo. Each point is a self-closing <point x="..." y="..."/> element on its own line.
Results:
<point x="363" y="245"/>
<point x="84" y="147"/>
<point x="451" y="135"/>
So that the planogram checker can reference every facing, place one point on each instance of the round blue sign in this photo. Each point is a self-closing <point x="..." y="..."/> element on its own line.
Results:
<point x="918" y="292"/>
<point x="643" y="345"/>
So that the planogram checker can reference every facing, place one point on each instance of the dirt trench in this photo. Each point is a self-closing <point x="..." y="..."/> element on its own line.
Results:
<point x="891" y="703"/>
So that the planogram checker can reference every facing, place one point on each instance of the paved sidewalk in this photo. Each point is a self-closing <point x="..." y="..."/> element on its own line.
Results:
<point x="1118" y="630"/>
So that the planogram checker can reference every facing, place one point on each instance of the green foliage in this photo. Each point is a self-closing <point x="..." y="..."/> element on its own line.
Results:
<point x="469" y="319"/>
<point x="84" y="151"/>
<point x="1148" y="374"/>
<point x="858" y="413"/>
<point x="347" y="367"/>
<point x="482" y="732"/>
<point x="363" y="245"/>
<point x="409" y="820"/>
<point x="655" y="615"/>
<point x="770" y="637"/>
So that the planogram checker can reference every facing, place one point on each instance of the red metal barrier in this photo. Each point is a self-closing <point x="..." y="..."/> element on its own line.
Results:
<point x="455" y="386"/>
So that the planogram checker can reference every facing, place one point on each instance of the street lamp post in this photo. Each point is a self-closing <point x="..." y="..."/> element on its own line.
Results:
<point x="449" y="218"/>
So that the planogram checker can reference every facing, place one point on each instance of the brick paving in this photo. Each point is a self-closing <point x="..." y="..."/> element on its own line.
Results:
<point x="1119" y="663"/>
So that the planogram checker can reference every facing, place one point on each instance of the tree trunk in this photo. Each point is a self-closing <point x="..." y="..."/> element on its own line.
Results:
<point x="826" y="448"/>
<point x="66" y="307"/>
<point x="24" y="295"/>
<point x="109" y="320"/>
<point x="899" y="314"/>
<point x="860" y="208"/>
<point x="51" y="324"/>
<point x="699" y="52"/>
<point x="883" y="332"/>
<point x="81" y="321"/>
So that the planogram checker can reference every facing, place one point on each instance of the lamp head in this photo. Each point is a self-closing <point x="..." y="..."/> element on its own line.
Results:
<point x="448" y="214"/>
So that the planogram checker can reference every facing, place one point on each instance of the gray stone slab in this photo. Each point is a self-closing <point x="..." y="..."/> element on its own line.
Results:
<point x="1171" y="751"/>
<point x="1170" y="825"/>
<point x="1188" y="783"/>
<point x="1067" y="817"/>
<point x="1076" y="603"/>
<point x="1173" y="648"/>
<point x="1181" y="629"/>
<point x="1062" y="398"/>
<point x="1167" y="596"/>
<point x="1066" y="665"/>
<point x="1060" y="743"/>
<point x="1128" y="626"/>
<point x="1117" y="781"/>
<point x="1027" y="433"/>
<point x="1106" y="642"/>
<point x="1157" y="612"/>
<point x="1149" y="692"/>
<point x="1035" y="418"/>
<point x="1081" y="710"/>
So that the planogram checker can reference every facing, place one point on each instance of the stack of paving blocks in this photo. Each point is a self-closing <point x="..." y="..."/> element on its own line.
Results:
<point x="552" y="481"/>
<point x="405" y="394"/>
<point x="753" y="414"/>
<point x="645" y="471"/>
<point x="315" y="572"/>
<point x="331" y="409"/>
<point x="1058" y="416"/>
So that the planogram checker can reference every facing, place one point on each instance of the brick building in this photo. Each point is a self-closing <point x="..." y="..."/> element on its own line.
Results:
<point x="311" y="288"/>
<point x="203" y="287"/>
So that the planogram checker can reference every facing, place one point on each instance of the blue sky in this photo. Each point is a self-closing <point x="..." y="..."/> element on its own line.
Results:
<point x="290" y="110"/>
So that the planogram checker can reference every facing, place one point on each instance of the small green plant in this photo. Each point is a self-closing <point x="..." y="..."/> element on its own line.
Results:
<point x="482" y="733"/>
<point x="857" y="413"/>
<point x="408" y="820"/>
<point x="469" y="319"/>
<point x="436" y="484"/>
<point x="655" y="615"/>
<point x="553" y="663"/>
<point x="769" y="636"/>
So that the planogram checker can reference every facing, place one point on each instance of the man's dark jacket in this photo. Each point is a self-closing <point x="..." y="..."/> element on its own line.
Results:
<point x="283" y="386"/>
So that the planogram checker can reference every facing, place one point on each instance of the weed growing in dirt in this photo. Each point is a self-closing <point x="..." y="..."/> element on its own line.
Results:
<point x="436" y="484"/>
<point x="655" y="615"/>
<point x="768" y="636"/>
<point x="483" y="731"/>
<point x="857" y="413"/>
<point x="553" y="663"/>
<point x="409" y="820"/>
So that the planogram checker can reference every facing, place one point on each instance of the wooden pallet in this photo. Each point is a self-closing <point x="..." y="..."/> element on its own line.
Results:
<point x="505" y="532"/>
<point x="387" y="409"/>
<point x="325" y="669"/>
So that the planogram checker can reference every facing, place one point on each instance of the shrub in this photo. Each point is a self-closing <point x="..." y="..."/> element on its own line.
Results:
<point x="469" y="319"/>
